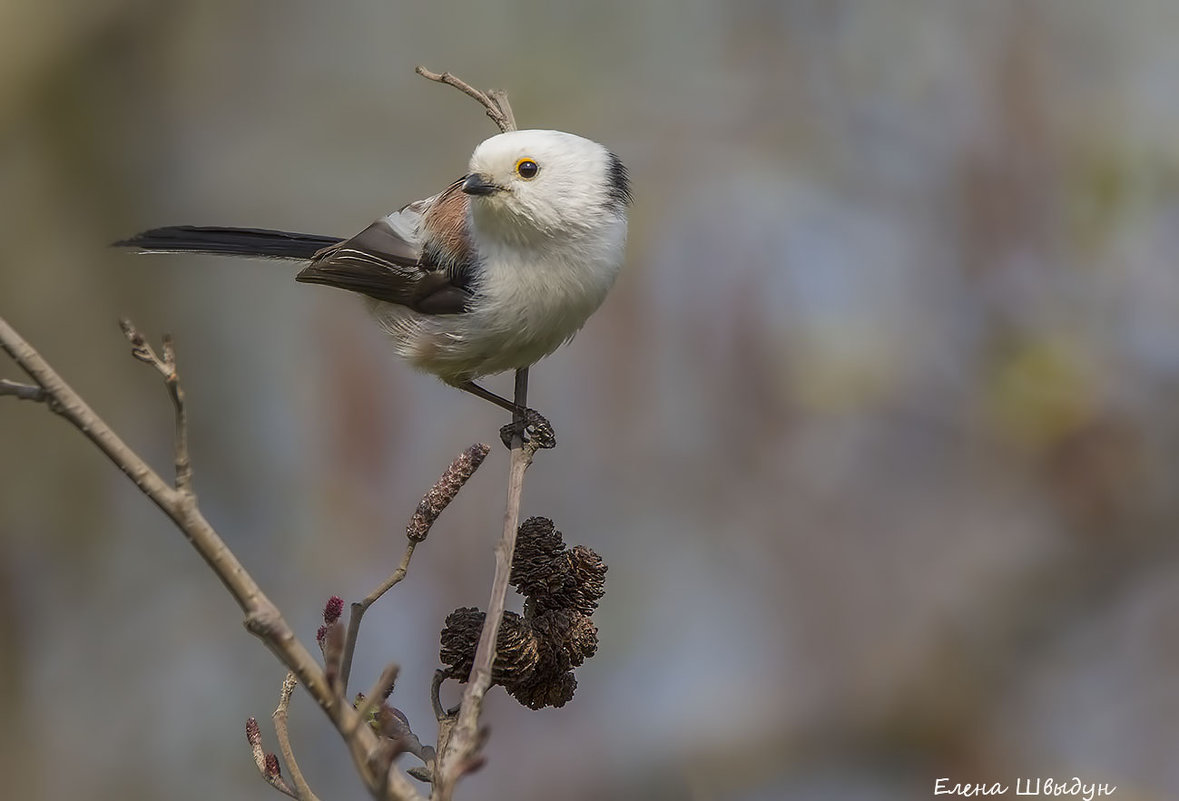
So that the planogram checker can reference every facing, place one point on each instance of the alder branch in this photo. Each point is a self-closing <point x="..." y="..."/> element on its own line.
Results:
<point x="261" y="617"/>
<point x="460" y="740"/>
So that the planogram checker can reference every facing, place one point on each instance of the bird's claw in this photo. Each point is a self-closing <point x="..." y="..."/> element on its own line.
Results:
<point x="533" y="428"/>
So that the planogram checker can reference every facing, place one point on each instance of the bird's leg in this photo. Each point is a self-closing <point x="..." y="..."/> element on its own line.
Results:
<point x="528" y="423"/>
<point x="488" y="395"/>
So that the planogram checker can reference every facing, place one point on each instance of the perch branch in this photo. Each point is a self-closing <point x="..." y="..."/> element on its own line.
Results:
<point x="460" y="754"/>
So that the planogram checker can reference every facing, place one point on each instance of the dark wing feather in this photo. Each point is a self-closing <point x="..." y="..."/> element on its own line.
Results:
<point x="382" y="262"/>
<point x="419" y="257"/>
<point x="427" y="291"/>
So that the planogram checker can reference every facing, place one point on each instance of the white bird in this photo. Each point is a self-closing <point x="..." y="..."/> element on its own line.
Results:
<point x="493" y="273"/>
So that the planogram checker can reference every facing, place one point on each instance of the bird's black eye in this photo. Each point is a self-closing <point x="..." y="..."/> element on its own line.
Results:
<point x="527" y="169"/>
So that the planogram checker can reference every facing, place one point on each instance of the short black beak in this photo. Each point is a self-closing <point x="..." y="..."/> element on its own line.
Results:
<point x="477" y="184"/>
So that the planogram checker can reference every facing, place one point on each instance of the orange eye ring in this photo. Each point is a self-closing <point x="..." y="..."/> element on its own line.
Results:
<point x="527" y="169"/>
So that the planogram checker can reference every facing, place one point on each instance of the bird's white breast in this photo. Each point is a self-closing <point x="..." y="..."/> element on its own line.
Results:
<point x="529" y="300"/>
<point x="535" y="298"/>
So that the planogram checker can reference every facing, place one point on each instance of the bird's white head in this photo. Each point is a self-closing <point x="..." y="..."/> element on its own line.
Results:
<point x="525" y="184"/>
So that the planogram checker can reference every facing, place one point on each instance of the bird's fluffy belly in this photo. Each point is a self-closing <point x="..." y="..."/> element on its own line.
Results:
<point x="526" y="319"/>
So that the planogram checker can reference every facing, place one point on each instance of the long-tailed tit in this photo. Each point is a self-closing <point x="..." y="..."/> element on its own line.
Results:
<point x="491" y="274"/>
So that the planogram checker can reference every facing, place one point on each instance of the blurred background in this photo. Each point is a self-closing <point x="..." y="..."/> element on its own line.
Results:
<point x="878" y="432"/>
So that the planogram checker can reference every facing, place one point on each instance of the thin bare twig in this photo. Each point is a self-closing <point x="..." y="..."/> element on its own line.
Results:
<point x="262" y="617"/>
<point x="495" y="102"/>
<point x="379" y="693"/>
<point x="360" y="607"/>
<point x="302" y="789"/>
<point x="267" y="763"/>
<point x="500" y="98"/>
<point x="166" y="365"/>
<point x="436" y="697"/>
<point x="29" y="392"/>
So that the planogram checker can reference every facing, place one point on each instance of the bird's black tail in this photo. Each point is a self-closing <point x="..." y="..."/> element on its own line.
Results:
<point x="258" y="242"/>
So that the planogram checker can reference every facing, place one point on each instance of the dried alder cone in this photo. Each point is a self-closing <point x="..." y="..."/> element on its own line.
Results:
<point x="551" y="577"/>
<point x="536" y="652"/>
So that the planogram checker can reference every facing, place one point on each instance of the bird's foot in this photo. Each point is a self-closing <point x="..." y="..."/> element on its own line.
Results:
<point x="532" y="428"/>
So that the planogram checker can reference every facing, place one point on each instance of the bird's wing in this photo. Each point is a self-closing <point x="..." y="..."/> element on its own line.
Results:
<point x="418" y="257"/>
